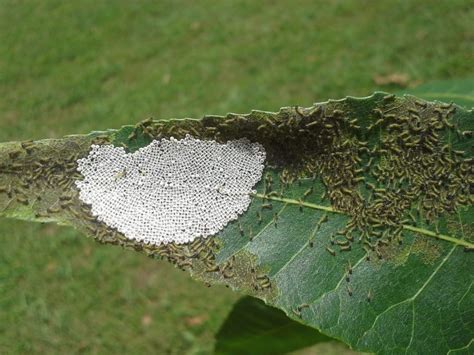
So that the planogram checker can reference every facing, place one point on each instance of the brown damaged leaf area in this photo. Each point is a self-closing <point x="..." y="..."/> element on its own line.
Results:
<point x="428" y="250"/>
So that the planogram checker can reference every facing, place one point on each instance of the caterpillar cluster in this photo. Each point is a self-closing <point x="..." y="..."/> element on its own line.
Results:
<point x="391" y="167"/>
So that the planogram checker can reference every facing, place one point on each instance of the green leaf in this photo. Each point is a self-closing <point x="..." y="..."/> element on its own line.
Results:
<point x="361" y="227"/>
<point x="458" y="91"/>
<point x="255" y="328"/>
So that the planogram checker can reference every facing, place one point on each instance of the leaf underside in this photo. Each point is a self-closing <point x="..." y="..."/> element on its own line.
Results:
<point x="361" y="227"/>
<point x="255" y="328"/>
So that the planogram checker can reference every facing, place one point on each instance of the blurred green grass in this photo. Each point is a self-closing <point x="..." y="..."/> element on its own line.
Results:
<point x="73" y="67"/>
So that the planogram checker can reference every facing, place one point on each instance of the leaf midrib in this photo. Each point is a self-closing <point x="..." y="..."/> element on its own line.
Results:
<point x="422" y="231"/>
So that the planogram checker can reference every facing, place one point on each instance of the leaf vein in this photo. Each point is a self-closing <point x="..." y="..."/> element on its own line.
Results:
<point x="412" y="327"/>
<point x="463" y="347"/>
<point x="296" y="254"/>
<point x="339" y="283"/>
<point x="411" y="299"/>
<point x="259" y="233"/>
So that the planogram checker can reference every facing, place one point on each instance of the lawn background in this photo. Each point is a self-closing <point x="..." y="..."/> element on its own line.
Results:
<point x="75" y="66"/>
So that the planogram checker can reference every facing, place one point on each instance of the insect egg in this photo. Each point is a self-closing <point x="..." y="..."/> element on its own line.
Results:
<point x="171" y="190"/>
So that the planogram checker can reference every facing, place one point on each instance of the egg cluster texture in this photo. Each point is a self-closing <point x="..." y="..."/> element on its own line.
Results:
<point x="171" y="190"/>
